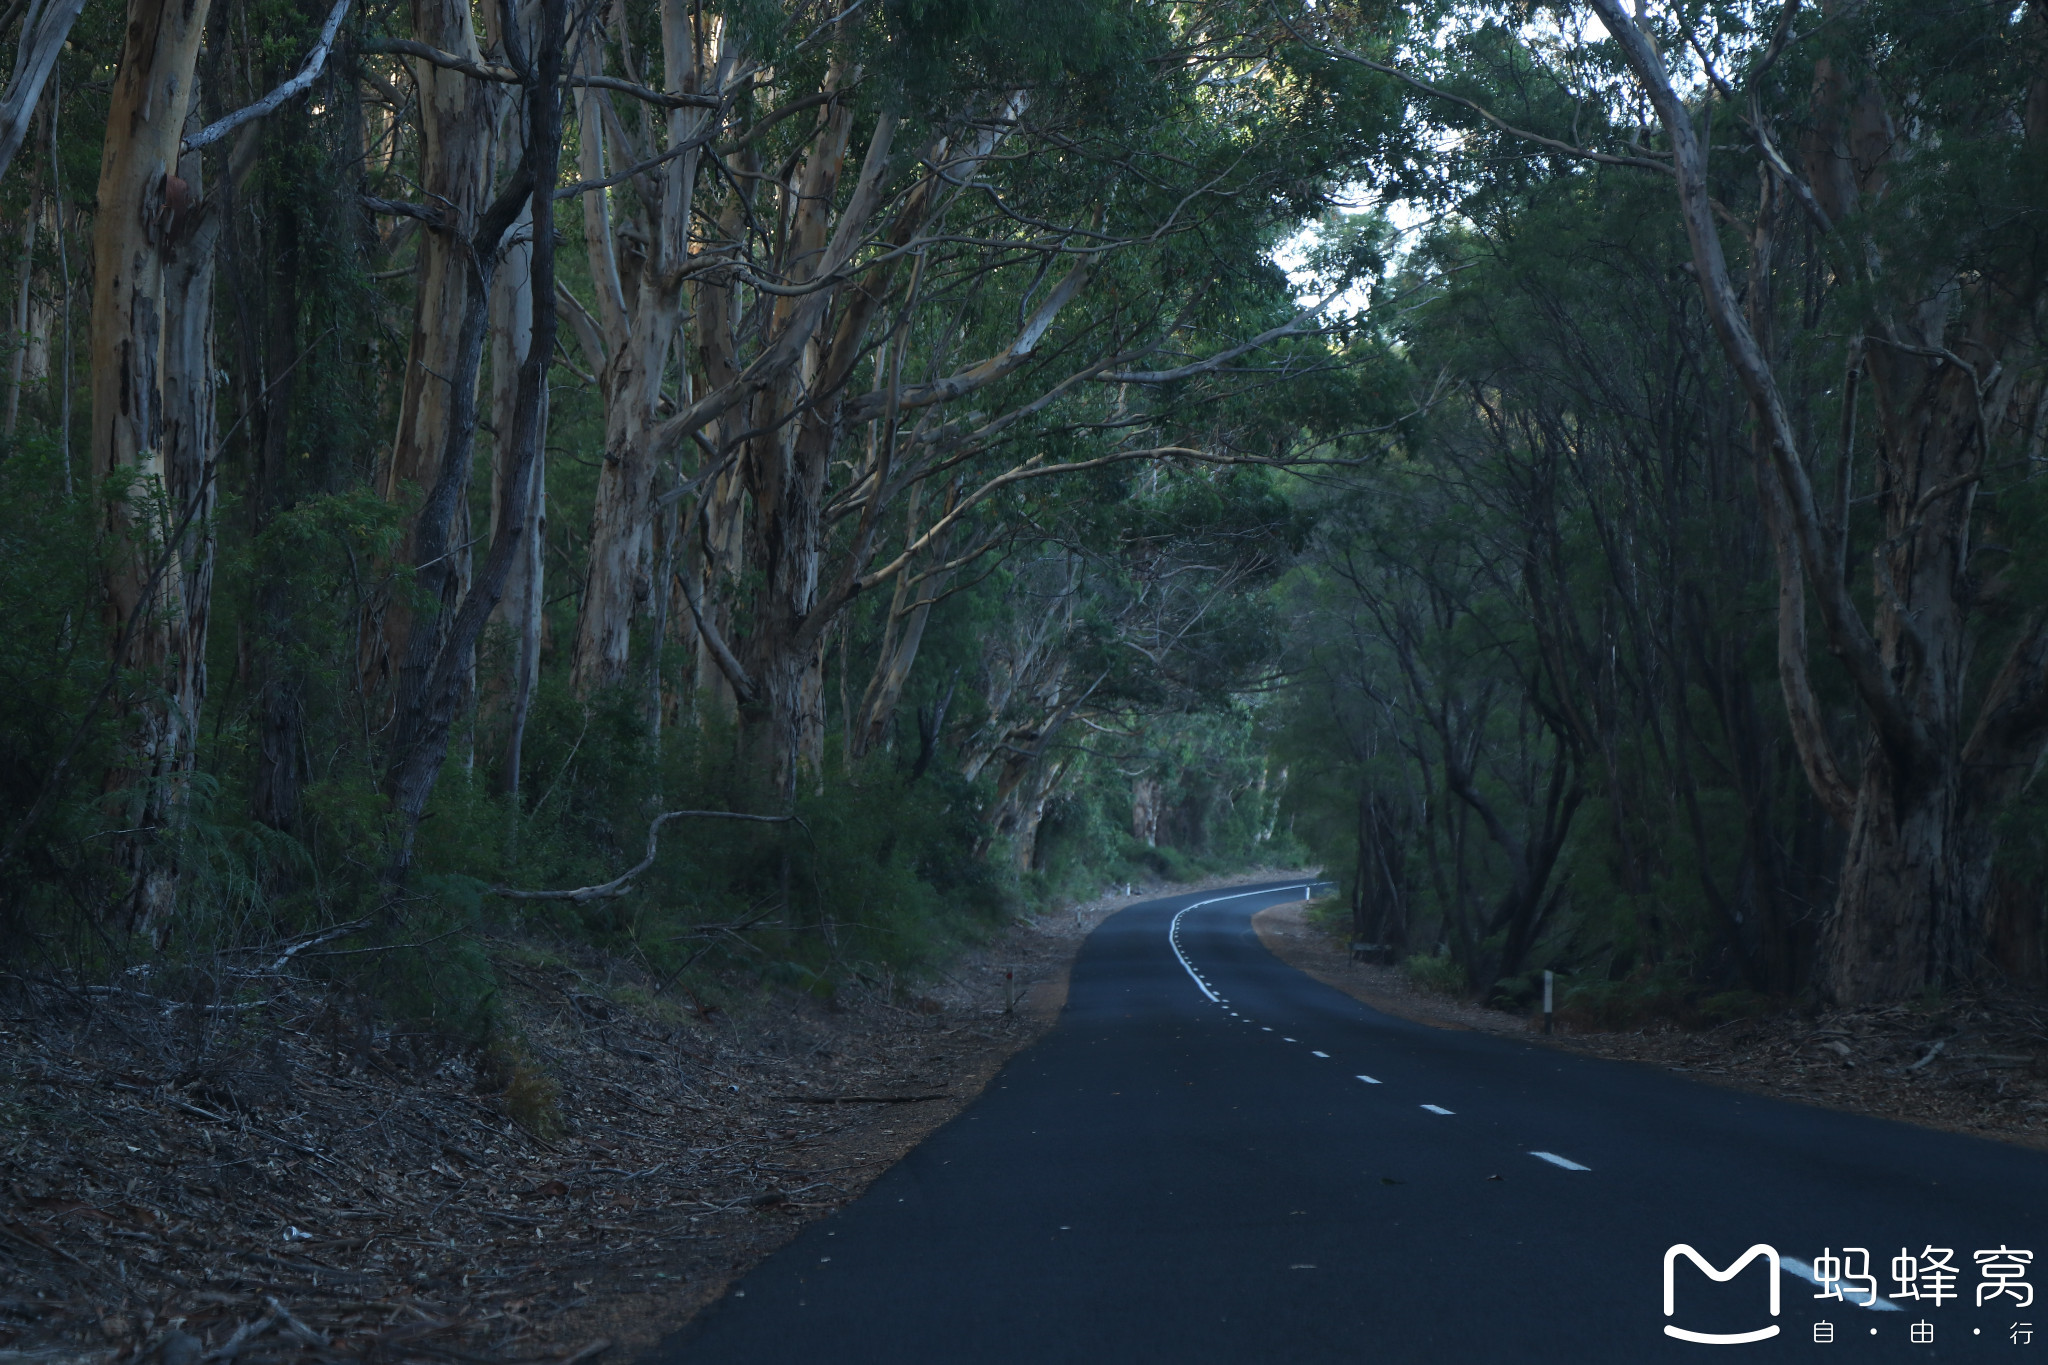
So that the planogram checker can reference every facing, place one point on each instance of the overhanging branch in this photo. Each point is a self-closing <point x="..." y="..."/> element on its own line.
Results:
<point x="297" y="85"/>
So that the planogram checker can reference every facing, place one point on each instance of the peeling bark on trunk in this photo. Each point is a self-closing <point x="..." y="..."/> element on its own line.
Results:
<point x="150" y="407"/>
<point x="1916" y="884"/>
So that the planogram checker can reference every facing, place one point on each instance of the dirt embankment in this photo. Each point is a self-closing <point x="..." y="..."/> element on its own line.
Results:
<point x="252" y="1183"/>
<point x="1977" y="1065"/>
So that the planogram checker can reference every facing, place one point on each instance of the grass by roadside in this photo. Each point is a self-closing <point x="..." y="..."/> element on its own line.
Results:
<point x="1974" y="1065"/>
<point x="311" y="1189"/>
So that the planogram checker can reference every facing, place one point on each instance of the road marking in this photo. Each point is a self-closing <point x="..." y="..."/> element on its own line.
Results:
<point x="1173" y="929"/>
<point x="1323" y="1055"/>
<point x="1805" y="1272"/>
<point x="1554" y="1159"/>
<point x="1265" y="1028"/>
<point x="1368" y="1080"/>
<point x="1287" y="1040"/>
<point x="1436" y="1109"/>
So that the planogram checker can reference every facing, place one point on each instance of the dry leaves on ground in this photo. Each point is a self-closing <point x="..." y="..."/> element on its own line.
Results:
<point x="274" y="1176"/>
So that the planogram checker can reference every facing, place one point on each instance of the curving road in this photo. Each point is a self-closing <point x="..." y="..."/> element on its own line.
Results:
<point x="1212" y="1157"/>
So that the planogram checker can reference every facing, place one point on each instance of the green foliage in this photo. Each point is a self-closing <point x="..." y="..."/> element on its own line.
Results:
<point x="57" y="728"/>
<point x="1437" y="972"/>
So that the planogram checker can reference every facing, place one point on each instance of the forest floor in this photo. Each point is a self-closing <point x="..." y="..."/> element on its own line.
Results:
<point x="252" y="1184"/>
<point x="1975" y="1064"/>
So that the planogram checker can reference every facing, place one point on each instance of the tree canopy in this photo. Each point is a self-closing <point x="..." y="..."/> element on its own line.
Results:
<point x="782" y="481"/>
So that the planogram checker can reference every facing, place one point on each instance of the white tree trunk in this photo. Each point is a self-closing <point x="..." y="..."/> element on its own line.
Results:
<point x="149" y="407"/>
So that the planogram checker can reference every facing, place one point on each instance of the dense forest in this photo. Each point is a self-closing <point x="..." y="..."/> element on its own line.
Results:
<point x="776" y="489"/>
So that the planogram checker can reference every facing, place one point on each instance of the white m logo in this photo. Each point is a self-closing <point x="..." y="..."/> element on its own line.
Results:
<point x="1671" y="1255"/>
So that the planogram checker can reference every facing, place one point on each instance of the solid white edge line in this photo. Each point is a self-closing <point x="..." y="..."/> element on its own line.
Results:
<point x="1173" y="929"/>
<point x="1554" y="1159"/>
<point x="1438" y="1109"/>
<point x="1368" y="1080"/>
<point x="1805" y="1272"/>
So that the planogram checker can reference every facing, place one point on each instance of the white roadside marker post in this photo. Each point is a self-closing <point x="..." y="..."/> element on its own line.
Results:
<point x="1546" y="999"/>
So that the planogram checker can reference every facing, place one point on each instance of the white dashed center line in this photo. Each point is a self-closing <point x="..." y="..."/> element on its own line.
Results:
<point x="1173" y="931"/>
<point x="1554" y="1159"/>
<point x="1792" y="1267"/>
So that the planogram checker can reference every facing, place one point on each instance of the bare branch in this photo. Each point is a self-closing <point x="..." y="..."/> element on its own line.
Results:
<point x="400" y="208"/>
<point x="297" y="85"/>
<point x="35" y="58"/>
<point x="1004" y="362"/>
<point x="721" y="653"/>
<point x="505" y="75"/>
<point x="622" y="884"/>
<point x="406" y="47"/>
<point x="1221" y="358"/>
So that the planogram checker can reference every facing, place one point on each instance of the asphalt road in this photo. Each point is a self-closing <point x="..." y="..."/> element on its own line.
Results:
<point x="1166" y="1177"/>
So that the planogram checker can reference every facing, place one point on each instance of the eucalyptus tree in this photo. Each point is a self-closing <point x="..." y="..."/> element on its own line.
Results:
<point x="1149" y="605"/>
<point x="875" y="306"/>
<point x="931" y="262"/>
<point x="152" y="374"/>
<point x="1864" y="254"/>
<point x="1920" y="134"/>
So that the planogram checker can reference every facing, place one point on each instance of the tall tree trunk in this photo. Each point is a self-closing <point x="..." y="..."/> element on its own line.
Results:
<point x="910" y="609"/>
<point x="1032" y="799"/>
<point x="717" y="551"/>
<point x="435" y="685"/>
<point x="42" y="307"/>
<point x="639" y="305"/>
<point x="280" y="686"/>
<point x="520" y="610"/>
<point x="17" y="364"/>
<point x="146" y="417"/>
<point x="455" y="127"/>
<point x="1145" y="809"/>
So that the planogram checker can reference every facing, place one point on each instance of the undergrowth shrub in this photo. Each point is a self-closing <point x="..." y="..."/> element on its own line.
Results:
<point x="1437" y="972"/>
